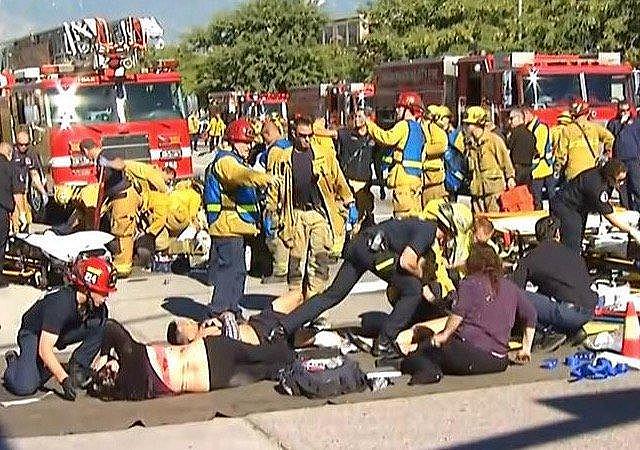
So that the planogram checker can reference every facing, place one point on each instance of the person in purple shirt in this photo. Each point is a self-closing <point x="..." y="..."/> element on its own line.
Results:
<point x="475" y="339"/>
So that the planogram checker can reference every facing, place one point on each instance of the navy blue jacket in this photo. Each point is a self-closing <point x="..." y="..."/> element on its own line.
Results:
<point x="627" y="143"/>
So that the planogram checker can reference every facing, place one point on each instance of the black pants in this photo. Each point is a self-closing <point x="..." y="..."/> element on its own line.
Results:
<point x="359" y="259"/>
<point x="456" y="357"/>
<point x="4" y="236"/>
<point x="234" y="363"/>
<point x="572" y="224"/>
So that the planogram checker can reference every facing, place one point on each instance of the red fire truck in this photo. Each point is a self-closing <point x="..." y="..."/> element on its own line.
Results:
<point x="334" y="102"/>
<point x="547" y="83"/>
<point x="77" y="82"/>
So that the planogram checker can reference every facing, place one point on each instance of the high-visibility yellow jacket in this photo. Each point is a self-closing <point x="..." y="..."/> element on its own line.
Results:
<point x="436" y="144"/>
<point x="216" y="127"/>
<point x="332" y="184"/>
<point x="145" y="177"/>
<point x="193" y="123"/>
<point x="405" y="138"/>
<point x="579" y="147"/>
<point x="543" y="161"/>
<point x="232" y="175"/>
<point x="489" y="163"/>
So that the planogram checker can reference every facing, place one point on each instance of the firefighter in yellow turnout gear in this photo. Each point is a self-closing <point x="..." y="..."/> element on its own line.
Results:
<point x="433" y="165"/>
<point x="489" y="162"/>
<point x="231" y="204"/>
<point x="579" y="146"/>
<point x="302" y="209"/>
<point x="408" y="140"/>
<point x="124" y="202"/>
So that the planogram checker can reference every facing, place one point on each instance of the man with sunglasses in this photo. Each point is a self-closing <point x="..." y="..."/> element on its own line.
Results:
<point x="302" y="210"/>
<point x="27" y="168"/>
<point x="626" y="148"/>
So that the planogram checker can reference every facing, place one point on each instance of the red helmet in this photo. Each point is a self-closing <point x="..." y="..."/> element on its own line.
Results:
<point x="412" y="101"/>
<point x="95" y="275"/>
<point x="240" y="130"/>
<point x="579" y="108"/>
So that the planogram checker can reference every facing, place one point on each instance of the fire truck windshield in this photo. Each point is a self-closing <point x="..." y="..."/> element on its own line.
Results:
<point x="114" y="103"/>
<point x="603" y="89"/>
<point x="154" y="101"/>
<point x="550" y="90"/>
<point x="84" y="104"/>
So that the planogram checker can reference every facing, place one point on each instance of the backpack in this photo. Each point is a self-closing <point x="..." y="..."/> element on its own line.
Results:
<point x="456" y="167"/>
<point x="322" y="377"/>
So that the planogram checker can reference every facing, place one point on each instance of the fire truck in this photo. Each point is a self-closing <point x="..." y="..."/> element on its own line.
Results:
<point x="334" y="102"/>
<point x="500" y="82"/>
<point x="77" y="81"/>
<point x="234" y="104"/>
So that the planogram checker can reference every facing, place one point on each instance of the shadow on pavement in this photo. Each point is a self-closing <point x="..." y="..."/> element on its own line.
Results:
<point x="185" y="307"/>
<point x="591" y="413"/>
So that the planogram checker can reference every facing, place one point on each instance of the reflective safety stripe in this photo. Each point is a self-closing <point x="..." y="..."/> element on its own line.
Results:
<point x="214" y="208"/>
<point x="384" y="264"/>
<point x="247" y="208"/>
<point x="412" y="164"/>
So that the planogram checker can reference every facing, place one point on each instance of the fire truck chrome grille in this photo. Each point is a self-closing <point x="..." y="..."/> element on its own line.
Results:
<point x="130" y="146"/>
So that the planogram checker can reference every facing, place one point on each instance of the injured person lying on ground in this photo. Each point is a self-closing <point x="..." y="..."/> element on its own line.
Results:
<point x="129" y="370"/>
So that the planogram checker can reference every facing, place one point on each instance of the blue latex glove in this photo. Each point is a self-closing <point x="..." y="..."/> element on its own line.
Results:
<point x="353" y="214"/>
<point x="267" y="225"/>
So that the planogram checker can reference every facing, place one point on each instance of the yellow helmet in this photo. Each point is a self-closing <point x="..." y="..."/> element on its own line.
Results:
<point x="63" y="194"/>
<point x="475" y="115"/>
<point x="433" y="112"/>
<point x="455" y="217"/>
<point x="564" y="118"/>
<point x="445" y="111"/>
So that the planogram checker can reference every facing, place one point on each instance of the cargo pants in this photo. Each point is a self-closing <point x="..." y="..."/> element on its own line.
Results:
<point x="124" y="212"/>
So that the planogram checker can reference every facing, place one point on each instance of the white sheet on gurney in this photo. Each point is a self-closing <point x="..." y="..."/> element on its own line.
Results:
<point x="525" y="224"/>
<point x="67" y="248"/>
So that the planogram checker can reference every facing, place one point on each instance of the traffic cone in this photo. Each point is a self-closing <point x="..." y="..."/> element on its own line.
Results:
<point x="631" y="339"/>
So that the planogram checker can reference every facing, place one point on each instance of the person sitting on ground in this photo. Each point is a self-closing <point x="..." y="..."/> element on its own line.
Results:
<point x="476" y="336"/>
<point x="130" y="370"/>
<point x="564" y="300"/>
<point x="483" y="233"/>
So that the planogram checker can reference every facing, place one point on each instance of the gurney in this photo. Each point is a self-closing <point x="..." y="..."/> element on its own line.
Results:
<point x="42" y="258"/>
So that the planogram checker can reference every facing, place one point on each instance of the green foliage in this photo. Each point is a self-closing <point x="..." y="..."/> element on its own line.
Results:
<point x="273" y="44"/>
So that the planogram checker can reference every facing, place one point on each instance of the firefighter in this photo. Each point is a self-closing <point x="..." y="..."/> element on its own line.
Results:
<point x="408" y="141"/>
<point x="83" y="200"/>
<point x="433" y="165"/>
<point x="579" y="147"/>
<point x="455" y="164"/>
<point x="216" y="131"/>
<point x="489" y="162"/>
<point x="124" y="202"/>
<point x="543" y="161"/>
<point x="275" y="143"/>
<point x="231" y="204"/>
<point x="27" y="167"/>
<point x="304" y="209"/>
<point x="193" y="121"/>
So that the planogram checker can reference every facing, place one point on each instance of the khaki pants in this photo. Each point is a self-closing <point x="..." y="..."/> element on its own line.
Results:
<point x="407" y="200"/>
<point x="22" y="205"/>
<point x="280" y="254"/>
<point x="433" y="192"/>
<point x="124" y="211"/>
<point x="364" y="199"/>
<point x="488" y="203"/>
<point x="312" y="245"/>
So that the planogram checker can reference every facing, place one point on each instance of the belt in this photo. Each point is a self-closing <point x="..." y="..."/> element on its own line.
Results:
<point x="307" y="207"/>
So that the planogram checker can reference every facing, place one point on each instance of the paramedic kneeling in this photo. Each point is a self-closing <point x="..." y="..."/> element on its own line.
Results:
<point x="564" y="300"/>
<point x="589" y="192"/>
<point x="67" y="316"/>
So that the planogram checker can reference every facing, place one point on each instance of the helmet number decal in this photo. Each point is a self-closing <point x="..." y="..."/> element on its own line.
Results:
<point x="91" y="275"/>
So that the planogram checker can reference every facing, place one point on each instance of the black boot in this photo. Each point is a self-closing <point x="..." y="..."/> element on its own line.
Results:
<point x="385" y="348"/>
<point x="80" y="375"/>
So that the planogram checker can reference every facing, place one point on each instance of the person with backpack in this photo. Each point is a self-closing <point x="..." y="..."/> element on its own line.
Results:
<point x="542" y="169"/>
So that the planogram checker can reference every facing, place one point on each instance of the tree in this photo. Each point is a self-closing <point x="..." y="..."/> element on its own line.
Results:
<point x="266" y="45"/>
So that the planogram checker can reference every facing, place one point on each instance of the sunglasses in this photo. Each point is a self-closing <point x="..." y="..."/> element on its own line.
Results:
<point x="305" y="136"/>
<point x="21" y="144"/>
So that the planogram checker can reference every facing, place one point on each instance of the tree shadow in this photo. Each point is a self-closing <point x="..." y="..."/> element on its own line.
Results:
<point x="591" y="413"/>
<point x="185" y="307"/>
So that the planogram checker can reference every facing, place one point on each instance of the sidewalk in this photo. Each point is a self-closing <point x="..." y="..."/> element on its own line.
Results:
<point x="544" y="415"/>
